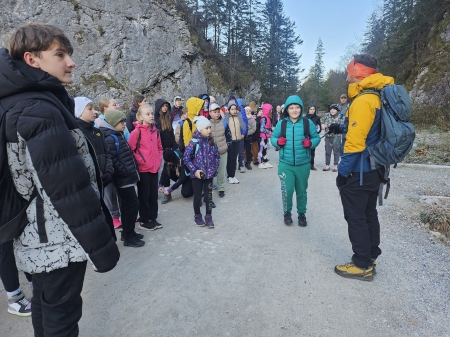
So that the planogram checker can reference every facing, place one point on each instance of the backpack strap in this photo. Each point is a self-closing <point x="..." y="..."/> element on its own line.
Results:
<point x="117" y="143"/>
<point x="283" y="128"/>
<point x="306" y="128"/>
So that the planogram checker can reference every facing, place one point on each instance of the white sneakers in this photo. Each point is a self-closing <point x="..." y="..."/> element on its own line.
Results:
<point x="232" y="180"/>
<point x="265" y="165"/>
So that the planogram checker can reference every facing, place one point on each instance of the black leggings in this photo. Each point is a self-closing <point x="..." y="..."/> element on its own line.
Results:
<point x="129" y="209"/>
<point x="199" y="187"/>
<point x="8" y="269"/>
<point x="233" y="152"/>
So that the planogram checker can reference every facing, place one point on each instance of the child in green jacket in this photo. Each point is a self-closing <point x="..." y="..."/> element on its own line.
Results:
<point x="294" y="156"/>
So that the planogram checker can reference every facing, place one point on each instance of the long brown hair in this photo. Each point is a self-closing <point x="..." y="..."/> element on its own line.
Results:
<point x="165" y="120"/>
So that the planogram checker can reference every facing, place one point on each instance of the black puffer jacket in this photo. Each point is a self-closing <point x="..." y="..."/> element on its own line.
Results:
<point x="167" y="136"/>
<point x="54" y="158"/>
<point x="97" y="140"/>
<point x="131" y="117"/>
<point x="314" y="118"/>
<point x="125" y="167"/>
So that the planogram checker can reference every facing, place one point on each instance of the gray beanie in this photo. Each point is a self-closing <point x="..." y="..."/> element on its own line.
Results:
<point x="114" y="117"/>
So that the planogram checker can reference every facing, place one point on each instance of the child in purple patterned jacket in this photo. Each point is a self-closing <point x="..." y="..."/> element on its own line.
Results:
<point x="202" y="157"/>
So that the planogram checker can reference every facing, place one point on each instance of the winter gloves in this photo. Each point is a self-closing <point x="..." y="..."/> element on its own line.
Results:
<point x="306" y="143"/>
<point x="107" y="178"/>
<point x="281" y="141"/>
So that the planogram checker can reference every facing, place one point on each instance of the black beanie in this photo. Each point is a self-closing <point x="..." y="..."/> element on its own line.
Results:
<point x="170" y="156"/>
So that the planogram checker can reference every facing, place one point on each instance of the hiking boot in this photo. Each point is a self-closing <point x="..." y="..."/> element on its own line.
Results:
<point x="199" y="220"/>
<point x="374" y="266"/>
<point x="241" y="169"/>
<point x="248" y="166"/>
<point x="221" y="194"/>
<point x="133" y="241"/>
<point x="349" y="270"/>
<point x="139" y="236"/>
<point x="302" y="220"/>
<point x="166" y="198"/>
<point x="148" y="226"/>
<point x="209" y="221"/>
<point x="19" y="305"/>
<point x="117" y="223"/>
<point x="157" y="224"/>
<point x="288" y="218"/>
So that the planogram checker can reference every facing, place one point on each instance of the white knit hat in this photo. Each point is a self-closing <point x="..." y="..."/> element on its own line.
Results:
<point x="201" y="122"/>
<point x="80" y="104"/>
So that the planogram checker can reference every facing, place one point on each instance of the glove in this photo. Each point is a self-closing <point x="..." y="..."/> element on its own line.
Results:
<point x="306" y="143"/>
<point x="340" y="180"/>
<point x="334" y="128"/>
<point x="281" y="141"/>
<point x="106" y="178"/>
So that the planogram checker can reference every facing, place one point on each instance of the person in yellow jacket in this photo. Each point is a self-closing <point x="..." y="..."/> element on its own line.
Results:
<point x="193" y="105"/>
<point x="358" y="179"/>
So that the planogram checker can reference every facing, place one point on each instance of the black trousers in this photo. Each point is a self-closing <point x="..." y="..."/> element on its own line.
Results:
<point x="360" y="212"/>
<point x="313" y="154"/>
<point x="233" y="153"/>
<point x="148" y="196"/>
<point x="129" y="208"/>
<point x="199" y="187"/>
<point x="248" y="150"/>
<point x="56" y="305"/>
<point x="8" y="269"/>
<point x="186" y="188"/>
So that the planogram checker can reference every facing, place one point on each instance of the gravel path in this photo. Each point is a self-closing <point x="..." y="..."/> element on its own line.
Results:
<point x="253" y="276"/>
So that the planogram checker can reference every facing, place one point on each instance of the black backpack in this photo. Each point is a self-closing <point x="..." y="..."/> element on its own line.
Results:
<point x="305" y="127"/>
<point x="181" y="145"/>
<point x="13" y="215"/>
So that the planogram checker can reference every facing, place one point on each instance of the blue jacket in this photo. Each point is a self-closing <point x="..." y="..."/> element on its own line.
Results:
<point x="241" y="105"/>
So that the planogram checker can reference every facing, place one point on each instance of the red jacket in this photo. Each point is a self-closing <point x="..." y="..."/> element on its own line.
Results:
<point x="148" y="152"/>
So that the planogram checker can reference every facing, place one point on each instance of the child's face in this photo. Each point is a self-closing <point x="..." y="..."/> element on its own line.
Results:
<point x="215" y="114"/>
<point x="164" y="108"/>
<point x="144" y="101"/>
<point x="312" y="110"/>
<point x="178" y="102"/>
<point x="294" y="111"/>
<point x="89" y="114"/>
<point x="121" y="126"/>
<point x="112" y="105"/>
<point x="184" y="116"/>
<point x="56" y="61"/>
<point x="206" y="132"/>
<point x="248" y="113"/>
<point x="146" y="116"/>
<point x="233" y="110"/>
<point x="333" y="112"/>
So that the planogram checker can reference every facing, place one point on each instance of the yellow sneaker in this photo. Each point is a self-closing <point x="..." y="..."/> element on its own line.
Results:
<point x="349" y="270"/>
<point x="374" y="266"/>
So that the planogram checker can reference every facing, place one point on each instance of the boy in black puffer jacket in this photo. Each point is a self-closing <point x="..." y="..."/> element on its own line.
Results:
<point x="125" y="175"/>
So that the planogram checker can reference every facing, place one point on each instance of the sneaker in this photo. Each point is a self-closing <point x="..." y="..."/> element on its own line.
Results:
<point x="262" y="166"/>
<point x="288" y="218"/>
<point x="335" y="168"/>
<point x="213" y="205"/>
<point x="19" y="305"/>
<point x="133" y="241"/>
<point x="349" y="270"/>
<point x="326" y="168"/>
<point x="199" y="220"/>
<point x="139" y="236"/>
<point x="269" y="165"/>
<point x="209" y="221"/>
<point x="302" y="220"/>
<point x="157" y="224"/>
<point x="221" y="194"/>
<point x="117" y="223"/>
<point x="241" y="169"/>
<point x="248" y="166"/>
<point x="230" y="180"/>
<point x="148" y="226"/>
<point x="235" y="180"/>
<point x="214" y="187"/>
<point x="256" y="163"/>
<point x="166" y="198"/>
<point x="313" y="168"/>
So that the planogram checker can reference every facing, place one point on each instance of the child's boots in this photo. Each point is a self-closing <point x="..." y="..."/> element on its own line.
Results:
<point x="209" y="221"/>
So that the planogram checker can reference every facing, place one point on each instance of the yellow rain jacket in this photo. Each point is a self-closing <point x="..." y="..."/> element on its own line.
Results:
<point x="193" y="105"/>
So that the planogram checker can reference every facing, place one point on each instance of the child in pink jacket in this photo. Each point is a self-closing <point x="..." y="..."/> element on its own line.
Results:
<point x="145" y="144"/>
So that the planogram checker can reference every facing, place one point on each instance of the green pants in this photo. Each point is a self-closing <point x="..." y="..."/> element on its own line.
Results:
<point x="294" y="178"/>
<point x="221" y="172"/>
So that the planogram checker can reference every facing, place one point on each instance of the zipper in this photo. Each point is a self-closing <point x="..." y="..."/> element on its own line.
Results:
<point x="293" y="140"/>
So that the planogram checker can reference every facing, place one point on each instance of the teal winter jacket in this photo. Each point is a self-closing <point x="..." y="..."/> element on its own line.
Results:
<point x="293" y="153"/>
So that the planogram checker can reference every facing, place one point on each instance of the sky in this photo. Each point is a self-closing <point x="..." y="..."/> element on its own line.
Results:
<point x="338" y="23"/>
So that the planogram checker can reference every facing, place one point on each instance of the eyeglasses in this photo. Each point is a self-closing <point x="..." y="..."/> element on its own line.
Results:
<point x="123" y="121"/>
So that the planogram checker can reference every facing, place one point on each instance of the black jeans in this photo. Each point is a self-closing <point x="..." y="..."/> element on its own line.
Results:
<point x="360" y="212"/>
<point x="8" y="269"/>
<point x="148" y="196"/>
<point x="313" y="154"/>
<point x="248" y="150"/>
<point x="56" y="305"/>
<point x="199" y="187"/>
<point x="129" y="209"/>
<point x="233" y="152"/>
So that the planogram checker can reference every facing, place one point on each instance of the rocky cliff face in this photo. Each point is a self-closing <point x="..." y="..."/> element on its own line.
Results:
<point x="122" y="48"/>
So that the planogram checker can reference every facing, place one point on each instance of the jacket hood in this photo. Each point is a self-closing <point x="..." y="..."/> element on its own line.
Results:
<point x="266" y="110"/>
<point x="194" y="105"/>
<point x="175" y="99"/>
<point x="17" y="77"/>
<point x="232" y="96"/>
<point x="240" y="102"/>
<point x="204" y="97"/>
<point x="158" y="104"/>
<point x="104" y="124"/>
<point x="375" y="81"/>
<point x="293" y="100"/>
